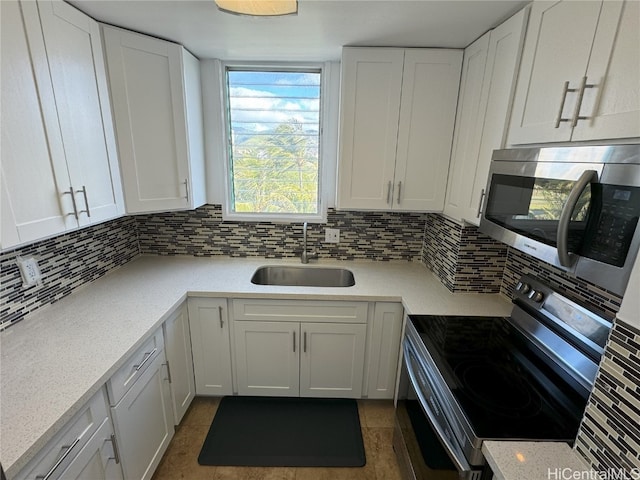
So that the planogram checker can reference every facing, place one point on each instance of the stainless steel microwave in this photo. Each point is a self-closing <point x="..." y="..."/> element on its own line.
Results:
<point x="576" y="208"/>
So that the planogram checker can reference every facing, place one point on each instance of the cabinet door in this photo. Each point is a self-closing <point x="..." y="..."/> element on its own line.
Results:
<point x="503" y="59"/>
<point x="332" y="360"/>
<point x="612" y="106"/>
<point x="76" y="66"/>
<point x="267" y="355"/>
<point x="210" y="345"/>
<point x="468" y="129"/>
<point x="34" y="172"/>
<point x="143" y="422"/>
<point x="97" y="460"/>
<point x="147" y="91"/>
<point x="430" y="82"/>
<point x="177" y="339"/>
<point x="370" y="106"/>
<point x="557" y="50"/>
<point x="384" y="350"/>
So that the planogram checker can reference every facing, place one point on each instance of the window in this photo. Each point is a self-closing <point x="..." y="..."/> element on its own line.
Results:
<point x="273" y="118"/>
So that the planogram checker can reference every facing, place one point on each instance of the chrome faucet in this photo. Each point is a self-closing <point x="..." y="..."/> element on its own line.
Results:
<point x="305" y="256"/>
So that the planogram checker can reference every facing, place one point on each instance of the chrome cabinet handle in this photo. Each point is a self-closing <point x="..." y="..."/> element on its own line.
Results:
<point x="576" y="113"/>
<point x="116" y="453"/>
<point x="565" y="90"/>
<point x="294" y="342"/>
<point x="73" y="201"/>
<point x="304" y="348"/>
<point x="186" y="188"/>
<point x="60" y="460"/>
<point x="562" y="237"/>
<point x="86" y="201"/>
<point x="389" y="192"/>
<point x="220" y="315"/>
<point x="146" y="359"/>
<point x="399" y="191"/>
<point x="166" y="364"/>
<point x="480" y="203"/>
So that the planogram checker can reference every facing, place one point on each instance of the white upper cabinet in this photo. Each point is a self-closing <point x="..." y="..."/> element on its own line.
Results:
<point x="397" y="117"/>
<point x="156" y="95"/>
<point x="59" y="163"/>
<point x="486" y="91"/>
<point x="580" y="73"/>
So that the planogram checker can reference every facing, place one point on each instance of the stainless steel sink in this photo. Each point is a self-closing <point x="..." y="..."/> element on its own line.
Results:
<point x="303" y="276"/>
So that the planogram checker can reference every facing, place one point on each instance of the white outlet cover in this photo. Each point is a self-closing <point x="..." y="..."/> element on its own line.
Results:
<point x="30" y="271"/>
<point x="332" y="235"/>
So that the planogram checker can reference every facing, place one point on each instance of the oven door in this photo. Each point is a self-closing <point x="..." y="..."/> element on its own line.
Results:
<point x="424" y="442"/>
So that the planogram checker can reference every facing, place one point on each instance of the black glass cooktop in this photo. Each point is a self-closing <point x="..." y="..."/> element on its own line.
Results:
<point x="498" y="379"/>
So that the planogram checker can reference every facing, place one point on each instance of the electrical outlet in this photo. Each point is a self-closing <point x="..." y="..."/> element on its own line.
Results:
<point x="332" y="235"/>
<point x="30" y="271"/>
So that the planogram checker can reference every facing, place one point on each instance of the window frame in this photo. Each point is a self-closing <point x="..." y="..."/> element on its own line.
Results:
<point x="321" y="215"/>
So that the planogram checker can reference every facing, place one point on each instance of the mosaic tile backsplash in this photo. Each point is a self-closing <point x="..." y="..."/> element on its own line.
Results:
<point x="66" y="262"/>
<point x="609" y="437"/>
<point x="578" y="290"/>
<point x="464" y="259"/>
<point x="363" y="235"/>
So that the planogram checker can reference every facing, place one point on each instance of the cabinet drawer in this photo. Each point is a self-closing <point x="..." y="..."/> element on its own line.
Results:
<point x="300" y="311"/>
<point x="60" y="451"/>
<point x="135" y="365"/>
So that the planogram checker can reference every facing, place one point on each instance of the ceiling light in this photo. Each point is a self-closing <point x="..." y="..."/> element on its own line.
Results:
<point x="267" y="8"/>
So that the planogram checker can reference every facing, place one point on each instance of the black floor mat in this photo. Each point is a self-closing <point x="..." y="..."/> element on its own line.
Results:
<point x="284" y="432"/>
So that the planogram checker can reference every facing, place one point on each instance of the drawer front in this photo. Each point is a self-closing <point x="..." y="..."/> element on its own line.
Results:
<point x="60" y="451"/>
<point x="300" y="311"/>
<point x="135" y="365"/>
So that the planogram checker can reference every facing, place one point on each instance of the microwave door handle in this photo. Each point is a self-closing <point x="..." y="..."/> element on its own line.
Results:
<point x="562" y="239"/>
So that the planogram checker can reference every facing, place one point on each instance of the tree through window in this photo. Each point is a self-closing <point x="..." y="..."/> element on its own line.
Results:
<point x="274" y="129"/>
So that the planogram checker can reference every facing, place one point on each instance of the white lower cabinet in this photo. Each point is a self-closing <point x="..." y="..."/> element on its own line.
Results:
<point x="267" y="356"/>
<point x="177" y="341"/>
<point x="299" y="347"/>
<point x="332" y="359"/>
<point x="97" y="460"/>
<point x="210" y="346"/>
<point x="143" y="418"/>
<point x="384" y="350"/>
<point x="83" y="449"/>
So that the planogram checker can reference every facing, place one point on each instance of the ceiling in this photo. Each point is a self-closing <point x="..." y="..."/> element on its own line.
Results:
<point x="317" y="33"/>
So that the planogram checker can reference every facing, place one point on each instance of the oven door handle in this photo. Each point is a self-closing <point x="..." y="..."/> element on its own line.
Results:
<point x="562" y="239"/>
<point x="454" y="451"/>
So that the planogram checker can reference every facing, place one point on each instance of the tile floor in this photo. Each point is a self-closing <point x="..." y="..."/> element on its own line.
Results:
<point x="181" y="459"/>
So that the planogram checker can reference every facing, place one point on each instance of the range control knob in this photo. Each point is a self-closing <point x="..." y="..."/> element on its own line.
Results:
<point x="536" y="296"/>
<point x="524" y="288"/>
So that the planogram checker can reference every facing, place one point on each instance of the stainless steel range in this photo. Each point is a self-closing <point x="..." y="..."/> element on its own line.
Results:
<point x="469" y="379"/>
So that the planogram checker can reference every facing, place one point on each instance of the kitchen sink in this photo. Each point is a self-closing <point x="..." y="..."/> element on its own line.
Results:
<point x="303" y="276"/>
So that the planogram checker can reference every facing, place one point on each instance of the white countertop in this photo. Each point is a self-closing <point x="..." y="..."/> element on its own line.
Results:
<point x="53" y="361"/>
<point x="533" y="460"/>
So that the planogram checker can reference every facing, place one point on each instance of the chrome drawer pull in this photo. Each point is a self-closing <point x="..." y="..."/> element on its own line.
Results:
<point x="73" y="201"/>
<point x="220" y="314"/>
<point x="389" y="192"/>
<point x="146" y="359"/>
<point x="399" y="191"/>
<point x="168" y="371"/>
<point x="480" y="203"/>
<point x="86" y="201"/>
<point x="116" y="453"/>
<point x="576" y="113"/>
<point x="565" y="90"/>
<point x="60" y="460"/>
